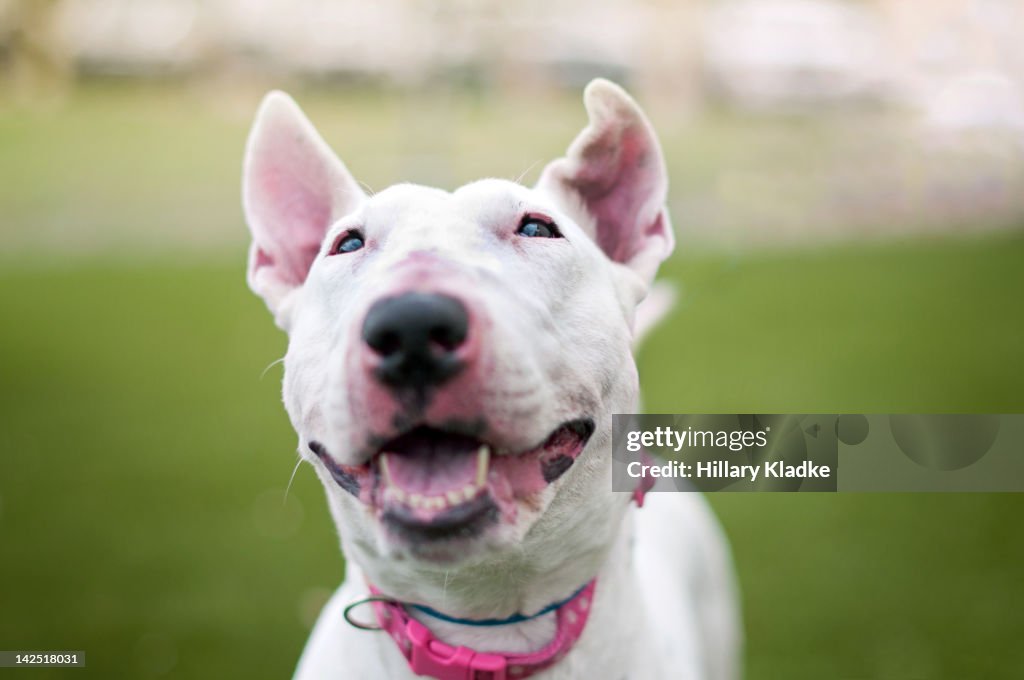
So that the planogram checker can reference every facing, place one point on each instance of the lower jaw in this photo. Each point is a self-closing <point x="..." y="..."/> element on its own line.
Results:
<point x="447" y="552"/>
<point x="460" y="525"/>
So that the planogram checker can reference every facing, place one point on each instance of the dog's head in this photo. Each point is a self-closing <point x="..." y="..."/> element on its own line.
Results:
<point x="455" y="357"/>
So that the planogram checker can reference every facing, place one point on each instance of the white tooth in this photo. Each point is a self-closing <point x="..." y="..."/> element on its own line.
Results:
<point x="385" y="471"/>
<point x="454" y="497"/>
<point x="416" y="500"/>
<point x="436" y="503"/>
<point x="393" y="493"/>
<point x="469" y="492"/>
<point x="483" y="462"/>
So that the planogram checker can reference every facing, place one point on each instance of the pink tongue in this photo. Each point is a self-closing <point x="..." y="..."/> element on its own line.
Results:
<point x="432" y="475"/>
<point x="433" y="466"/>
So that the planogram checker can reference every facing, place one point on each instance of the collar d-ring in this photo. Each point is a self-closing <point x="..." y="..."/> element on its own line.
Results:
<point x="347" y="612"/>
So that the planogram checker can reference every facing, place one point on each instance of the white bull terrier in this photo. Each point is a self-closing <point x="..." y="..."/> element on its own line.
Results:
<point x="454" y="362"/>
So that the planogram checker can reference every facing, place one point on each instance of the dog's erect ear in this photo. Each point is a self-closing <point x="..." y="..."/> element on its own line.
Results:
<point x="293" y="188"/>
<point x="615" y="172"/>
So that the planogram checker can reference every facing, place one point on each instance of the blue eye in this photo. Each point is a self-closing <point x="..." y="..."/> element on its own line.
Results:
<point x="349" y="243"/>
<point x="534" y="227"/>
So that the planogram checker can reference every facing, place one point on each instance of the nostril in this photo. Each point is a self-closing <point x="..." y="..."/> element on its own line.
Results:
<point x="448" y="336"/>
<point x="385" y="343"/>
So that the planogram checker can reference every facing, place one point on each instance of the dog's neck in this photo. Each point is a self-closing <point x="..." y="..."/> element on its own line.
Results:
<point x="526" y="582"/>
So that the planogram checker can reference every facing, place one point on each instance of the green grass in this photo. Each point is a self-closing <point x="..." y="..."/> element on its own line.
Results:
<point x="144" y="458"/>
<point x="916" y="327"/>
<point x="143" y="473"/>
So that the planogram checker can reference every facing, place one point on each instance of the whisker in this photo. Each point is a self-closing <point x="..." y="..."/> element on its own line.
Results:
<point x="524" y="173"/>
<point x="368" y="188"/>
<point x="290" y="480"/>
<point x="273" y="363"/>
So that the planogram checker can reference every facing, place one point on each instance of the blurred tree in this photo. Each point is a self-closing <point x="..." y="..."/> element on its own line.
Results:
<point x="36" y="67"/>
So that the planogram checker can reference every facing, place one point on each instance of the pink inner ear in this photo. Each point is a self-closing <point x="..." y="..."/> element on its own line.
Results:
<point x="261" y="259"/>
<point x="292" y="202"/>
<point x="617" y="178"/>
<point x="293" y="188"/>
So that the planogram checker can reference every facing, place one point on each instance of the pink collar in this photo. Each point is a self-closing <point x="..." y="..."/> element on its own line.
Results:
<point x="431" y="657"/>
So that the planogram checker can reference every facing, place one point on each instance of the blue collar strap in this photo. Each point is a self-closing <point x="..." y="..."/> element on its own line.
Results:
<point x="515" y="618"/>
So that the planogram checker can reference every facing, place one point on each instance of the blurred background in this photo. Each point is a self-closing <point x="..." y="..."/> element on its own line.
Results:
<point x="847" y="187"/>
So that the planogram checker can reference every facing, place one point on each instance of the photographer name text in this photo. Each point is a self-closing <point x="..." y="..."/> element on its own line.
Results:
<point x="720" y="469"/>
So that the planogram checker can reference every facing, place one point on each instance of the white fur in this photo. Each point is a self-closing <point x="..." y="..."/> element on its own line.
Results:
<point x="561" y="316"/>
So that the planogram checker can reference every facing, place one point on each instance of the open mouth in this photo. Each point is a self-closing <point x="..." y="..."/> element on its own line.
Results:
<point x="432" y="484"/>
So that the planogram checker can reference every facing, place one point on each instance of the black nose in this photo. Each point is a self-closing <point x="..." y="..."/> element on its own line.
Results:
<point x="416" y="335"/>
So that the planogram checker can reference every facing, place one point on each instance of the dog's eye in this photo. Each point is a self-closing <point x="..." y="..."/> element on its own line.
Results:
<point x="348" y="243"/>
<point x="534" y="227"/>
